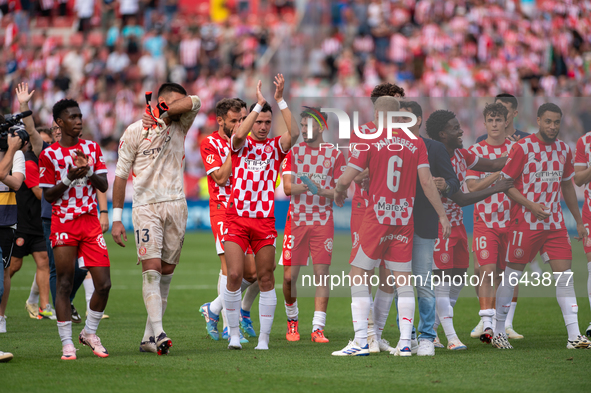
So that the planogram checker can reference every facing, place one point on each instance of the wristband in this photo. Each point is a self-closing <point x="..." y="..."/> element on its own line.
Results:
<point x="104" y="211"/>
<point x="282" y="104"/>
<point x="258" y="108"/>
<point x="90" y="172"/>
<point x="67" y="182"/>
<point x="117" y="213"/>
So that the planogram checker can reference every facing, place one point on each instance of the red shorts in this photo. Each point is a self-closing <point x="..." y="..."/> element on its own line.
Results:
<point x="288" y="243"/>
<point x="389" y="243"/>
<point x="357" y="215"/>
<point x="219" y="230"/>
<point x="254" y="232"/>
<point x="587" y="222"/>
<point x="524" y="244"/>
<point x="452" y="252"/>
<point x="308" y="240"/>
<point x="490" y="245"/>
<point x="85" y="233"/>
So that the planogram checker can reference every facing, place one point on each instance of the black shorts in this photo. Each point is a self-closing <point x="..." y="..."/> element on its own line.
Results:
<point x="26" y="244"/>
<point x="6" y="242"/>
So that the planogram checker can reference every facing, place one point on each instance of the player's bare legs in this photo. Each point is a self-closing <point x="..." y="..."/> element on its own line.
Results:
<point x="42" y="278"/>
<point x="232" y="294"/>
<point x="290" y="278"/>
<point x="157" y="276"/>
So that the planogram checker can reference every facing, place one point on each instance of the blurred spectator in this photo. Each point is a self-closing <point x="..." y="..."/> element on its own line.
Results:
<point x="85" y="11"/>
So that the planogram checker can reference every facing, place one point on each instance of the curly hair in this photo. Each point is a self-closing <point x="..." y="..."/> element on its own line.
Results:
<point x="437" y="122"/>
<point x="495" y="110"/>
<point x="386" y="89"/>
<point x="226" y="105"/>
<point x="61" y="106"/>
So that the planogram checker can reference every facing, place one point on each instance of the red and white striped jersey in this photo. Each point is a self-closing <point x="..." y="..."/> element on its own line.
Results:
<point x="360" y="197"/>
<point x="189" y="51"/>
<point x="538" y="168"/>
<point x="255" y="167"/>
<point x="494" y="211"/>
<point x="214" y="152"/>
<point x="583" y="158"/>
<point x="393" y="166"/>
<point x="321" y="165"/>
<point x="462" y="160"/>
<point x="80" y="198"/>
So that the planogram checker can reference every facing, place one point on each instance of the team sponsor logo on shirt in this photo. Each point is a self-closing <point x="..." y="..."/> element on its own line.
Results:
<point x="101" y="241"/>
<point x="392" y="207"/>
<point x="268" y="149"/>
<point x="391" y="237"/>
<point x="519" y="253"/>
<point x="549" y="176"/>
<point x="20" y="242"/>
<point x="328" y="245"/>
<point x="484" y="254"/>
<point x="210" y="159"/>
<point x="444" y="258"/>
<point x="313" y="176"/>
<point x="256" y="165"/>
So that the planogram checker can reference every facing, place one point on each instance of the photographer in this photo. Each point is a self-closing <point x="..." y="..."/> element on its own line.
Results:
<point x="12" y="174"/>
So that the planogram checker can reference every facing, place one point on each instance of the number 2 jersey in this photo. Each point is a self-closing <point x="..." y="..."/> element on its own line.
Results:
<point x="393" y="166"/>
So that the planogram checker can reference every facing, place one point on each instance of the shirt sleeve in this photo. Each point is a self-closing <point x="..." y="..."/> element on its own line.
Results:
<point x="286" y="165"/>
<point x="580" y="155"/>
<point x="423" y="155"/>
<point x="210" y="156"/>
<point x="339" y="168"/>
<point x="99" y="164"/>
<point x="515" y="163"/>
<point x="569" y="168"/>
<point x="128" y="146"/>
<point x="32" y="179"/>
<point x="187" y="118"/>
<point x="46" y="171"/>
<point x="471" y="158"/>
<point x="358" y="159"/>
<point x="18" y="163"/>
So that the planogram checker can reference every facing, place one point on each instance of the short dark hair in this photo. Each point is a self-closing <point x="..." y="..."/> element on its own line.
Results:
<point x="242" y="103"/>
<point x="437" y="122"/>
<point x="266" y="108"/>
<point x="386" y="89"/>
<point x="413" y="107"/>
<point x="170" y="87"/>
<point x="225" y="105"/>
<point x="494" y="110"/>
<point x="62" y="105"/>
<point x="314" y="112"/>
<point x="507" y="99"/>
<point x="548" y="107"/>
<point x="44" y="130"/>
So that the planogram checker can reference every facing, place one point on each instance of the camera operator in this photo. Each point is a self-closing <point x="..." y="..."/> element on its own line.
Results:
<point x="12" y="174"/>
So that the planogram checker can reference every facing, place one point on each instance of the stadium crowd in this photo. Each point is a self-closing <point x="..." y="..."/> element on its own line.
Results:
<point x="435" y="49"/>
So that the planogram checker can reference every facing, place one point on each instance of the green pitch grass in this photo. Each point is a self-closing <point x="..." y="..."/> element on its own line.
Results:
<point x="540" y="362"/>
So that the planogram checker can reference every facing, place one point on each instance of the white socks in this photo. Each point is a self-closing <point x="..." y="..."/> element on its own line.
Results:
<point x="381" y="309"/>
<point x="250" y="295"/>
<point x="567" y="300"/>
<point x="406" y="313"/>
<point x="487" y="318"/>
<point x="92" y="321"/>
<point x="291" y="310"/>
<point x="232" y="306"/>
<point x="217" y="305"/>
<point x="504" y="297"/>
<point x="510" y="314"/>
<point x="34" y="294"/>
<point x="164" y="289"/>
<point x="319" y="321"/>
<point x="267" y="305"/>
<point x="444" y="309"/>
<point x="88" y="291"/>
<point x="153" y="299"/>
<point x="360" y="305"/>
<point x="65" y="331"/>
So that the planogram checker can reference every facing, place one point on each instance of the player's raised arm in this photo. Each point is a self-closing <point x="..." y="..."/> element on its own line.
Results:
<point x="433" y="196"/>
<point x="23" y="96"/>
<point x="289" y="138"/>
<point x="240" y="135"/>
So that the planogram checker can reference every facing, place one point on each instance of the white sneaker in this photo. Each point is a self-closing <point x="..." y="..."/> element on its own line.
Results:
<point x="414" y="346"/>
<point x="478" y="330"/>
<point x="500" y="341"/>
<point x="384" y="346"/>
<point x="404" y="352"/>
<point x="456" y="345"/>
<point x="437" y="343"/>
<point x="426" y="348"/>
<point x="580" y="343"/>
<point x="512" y="334"/>
<point x="374" y="345"/>
<point x="5" y="357"/>
<point x="353" y="349"/>
<point x="2" y="324"/>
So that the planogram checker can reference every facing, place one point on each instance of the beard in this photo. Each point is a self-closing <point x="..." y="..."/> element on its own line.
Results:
<point x="227" y="131"/>
<point x="311" y="140"/>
